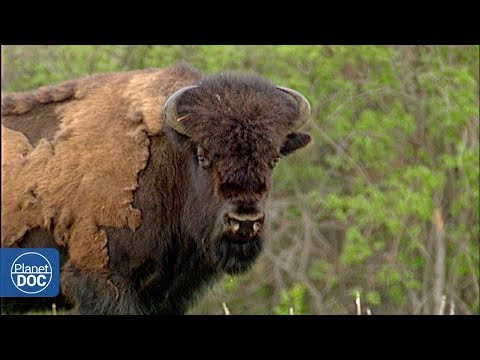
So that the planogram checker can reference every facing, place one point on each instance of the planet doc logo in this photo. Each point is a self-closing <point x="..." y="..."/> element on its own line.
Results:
<point x="29" y="272"/>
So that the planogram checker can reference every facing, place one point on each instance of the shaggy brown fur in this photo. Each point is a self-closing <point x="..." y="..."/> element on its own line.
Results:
<point x="248" y="136"/>
<point x="142" y="221"/>
<point x="75" y="169"/>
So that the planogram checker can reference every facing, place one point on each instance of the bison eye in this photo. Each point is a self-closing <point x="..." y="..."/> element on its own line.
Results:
<point x="202" y="161"/>
<point x="274" y="162"/>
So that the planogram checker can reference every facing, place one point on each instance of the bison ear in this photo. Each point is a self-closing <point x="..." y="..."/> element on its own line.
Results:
<point x="294" y="141"/>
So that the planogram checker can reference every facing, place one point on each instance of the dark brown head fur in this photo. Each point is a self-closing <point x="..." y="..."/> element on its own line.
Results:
<point x="239" y="126"/>
<point x="243" y="121"/>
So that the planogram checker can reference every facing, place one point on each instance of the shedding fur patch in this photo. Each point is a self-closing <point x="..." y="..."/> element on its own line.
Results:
<point x="85" y="177"/>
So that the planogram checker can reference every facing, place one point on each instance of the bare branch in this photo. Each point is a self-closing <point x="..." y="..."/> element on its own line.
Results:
<point x="439" y="266"/>
<point x="340" y="151"/>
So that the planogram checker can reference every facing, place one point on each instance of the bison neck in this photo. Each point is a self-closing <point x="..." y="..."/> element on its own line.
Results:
<point x="159" y="262"/>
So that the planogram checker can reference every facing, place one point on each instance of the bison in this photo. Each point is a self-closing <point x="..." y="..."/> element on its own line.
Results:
<point x="151" y="183"/>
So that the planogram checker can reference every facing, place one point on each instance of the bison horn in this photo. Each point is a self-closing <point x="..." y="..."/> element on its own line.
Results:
<point x="303" y="105"/>
<point x="170" y="110"/>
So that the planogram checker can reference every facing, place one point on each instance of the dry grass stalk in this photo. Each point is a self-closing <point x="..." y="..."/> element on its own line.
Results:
<point x="452" y="307"/>
<point x="225" y="309"/>
<point x="358" y="304"/>
<point x="441" y="310"/>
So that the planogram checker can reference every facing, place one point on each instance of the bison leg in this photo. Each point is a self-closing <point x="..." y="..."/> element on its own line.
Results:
<point x="95" y="294"/>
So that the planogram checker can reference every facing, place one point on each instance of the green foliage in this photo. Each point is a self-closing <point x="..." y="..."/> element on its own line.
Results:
<point x="373" y="298"/>
<point x="395" y="138"/>
<point x="292" y="298"/>
<point x="357" y="248"/>
<point x="229" y="284"/>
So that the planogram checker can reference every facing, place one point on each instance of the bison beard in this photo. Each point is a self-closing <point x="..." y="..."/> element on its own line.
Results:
<point x="237" y="256"/>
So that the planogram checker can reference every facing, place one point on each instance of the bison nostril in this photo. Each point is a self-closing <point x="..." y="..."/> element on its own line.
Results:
<point x="234" y="226"/>
<point x="244" y="225"/>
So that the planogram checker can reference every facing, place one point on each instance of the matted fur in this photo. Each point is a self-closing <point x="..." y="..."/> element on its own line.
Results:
<point x="84" y="177"/>
<point x="89" y="167"/>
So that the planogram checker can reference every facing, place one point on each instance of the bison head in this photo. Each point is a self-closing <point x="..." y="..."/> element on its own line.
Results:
<point x="235" y="128"/>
